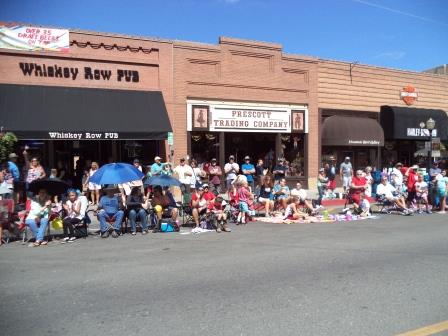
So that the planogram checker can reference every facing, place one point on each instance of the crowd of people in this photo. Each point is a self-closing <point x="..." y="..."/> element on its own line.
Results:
<point x="232" y="191"/>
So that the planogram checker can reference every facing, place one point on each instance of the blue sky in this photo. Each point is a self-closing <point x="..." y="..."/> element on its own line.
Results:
<point x="410" y="34"/>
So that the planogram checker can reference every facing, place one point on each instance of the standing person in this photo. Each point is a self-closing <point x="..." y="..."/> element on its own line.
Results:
<point x="137" y="205"/>
<point x="34" y="170"/>
<point x="369" y="178"/>
<point x="279" y="170"/>
<point x="248" y="170"/>
<point x="214" y="175"/>
<point x="38" y="215"/>
<point x="94" y="189"/>
<point x="330" y="172"/>
<point x="73" y="216"/>
<point x="15" y="172"/>
<point x="157" y="166"/>
<point x="184" y="172"/>
<point x="433" y="172"/>
<point x="260" y="171"/>
<point x="322" y="181"/>
<point x="441" y="190"/>
<point x="244" y="197"/>
<point x="198" y="174"/>
<point x="231" y="169"/>
<point x="421" y="188"/>
<point x="167" y="169"/>
<point x="346" y="173"/>
<point x="412" y="178"/>
<point x="136" y="164"/>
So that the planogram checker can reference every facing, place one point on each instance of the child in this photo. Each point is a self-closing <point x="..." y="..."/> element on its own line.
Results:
<point x="364" y="206"/>
<point x="292" y="211"/>
<point x="421" y="188"/>
<point x="217" y="207"/>
<point x="245" y="198"/>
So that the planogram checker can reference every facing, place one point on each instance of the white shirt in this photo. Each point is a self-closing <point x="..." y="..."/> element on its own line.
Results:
<point x="398" y="176"/>
<point x="231" y="170"/>
<point x="181" y="170"/>
<point x="301" y="193"/>
<point x="385" y="190"/>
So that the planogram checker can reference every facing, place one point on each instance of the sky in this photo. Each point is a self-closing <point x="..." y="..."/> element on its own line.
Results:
<point x="410" y="35"/>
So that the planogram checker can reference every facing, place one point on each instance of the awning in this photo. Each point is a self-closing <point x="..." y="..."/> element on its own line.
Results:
<point x="61" y="113"/>
<point x="351" y="131"/>
<point x="404" y="123"/>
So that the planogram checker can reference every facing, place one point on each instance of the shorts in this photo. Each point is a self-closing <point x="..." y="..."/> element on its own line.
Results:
<point x="263" y="200"/>
<point x="94" y="186"/>
<point x="331" y="185"/>
<point x="441" y="192"/>
<point x="356" y="198"/>
<point x="346" y="181"/>
<point x="243" y="207"/>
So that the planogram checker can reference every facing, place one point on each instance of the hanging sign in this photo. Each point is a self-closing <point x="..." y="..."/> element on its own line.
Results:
<point x="34" y="38"/>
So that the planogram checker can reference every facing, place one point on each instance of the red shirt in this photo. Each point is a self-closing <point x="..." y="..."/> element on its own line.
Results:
<point x="412" y="179"/>
<point x="207" y="196"/>
<point x="358" y="182"/>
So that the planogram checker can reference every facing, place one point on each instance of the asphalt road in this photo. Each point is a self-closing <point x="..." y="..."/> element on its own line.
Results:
<point x="374" y="277"/>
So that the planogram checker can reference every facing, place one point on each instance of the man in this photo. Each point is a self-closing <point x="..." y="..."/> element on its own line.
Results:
<point x="248" y="170"/>
<point x="214" y="175"/>
<point x="200" y="200"/>
<point x="15" y="172"/>
<point x="412" y="179"/>
<point x="397" y="176"/>
<point x="281" y="192"/>
<point x="157" y="166"/>
<point x="330" y="172"/>
<point x="433" y="172"/>
<point x="110" y="209"/>
<point x="184" y="173"/>
<point x="302" y="196"/>
<point x="389" y="192"/>
<point x="279" y="170"/>
<point x="346" y="173"/>
<point x="231" y="169"/>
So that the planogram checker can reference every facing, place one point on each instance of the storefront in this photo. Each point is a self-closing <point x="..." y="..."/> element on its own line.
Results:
<point x="261" y="131"/>
<point x="100" y="97"/>
<point x="405" y="138"/>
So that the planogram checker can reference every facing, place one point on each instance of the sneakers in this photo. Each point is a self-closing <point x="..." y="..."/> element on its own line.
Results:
<point x="105" y="234"/>
<point x="134" y="233"/>
<point x="144" y="232"/>
<point x="115" y="234"/>
<point x="72" y="239"/>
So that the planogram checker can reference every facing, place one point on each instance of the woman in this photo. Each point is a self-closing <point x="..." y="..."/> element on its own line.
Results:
<point x="137" y="205"/>
<point x="35" y="170"/>
<point x="441" y="190"/>
<point x="167" y="169"/>
<point x="94" y="189"/>
<point x="369" y="178"/>
<point x="165" y="200"/>
<point x="322" y="181"/>
<point x="265" y="196"/>
<point x="73" y="216"/>
<point x="198" y="174"/>
<point x="37" y="219"/>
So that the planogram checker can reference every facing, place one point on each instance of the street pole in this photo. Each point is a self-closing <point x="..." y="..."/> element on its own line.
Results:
<point x="430" y="150"/>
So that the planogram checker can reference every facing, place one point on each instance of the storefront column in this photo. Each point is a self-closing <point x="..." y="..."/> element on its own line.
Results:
<point x="50" y="153"/>
<point x="222" y="149"/>
<point x="278" y="148"/>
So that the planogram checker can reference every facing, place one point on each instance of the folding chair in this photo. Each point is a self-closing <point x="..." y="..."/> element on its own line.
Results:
<point x="6" y="218"/>
<point x="185" y="208"/>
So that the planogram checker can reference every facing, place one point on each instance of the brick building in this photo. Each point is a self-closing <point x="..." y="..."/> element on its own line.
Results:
<point x="237" y="97"/>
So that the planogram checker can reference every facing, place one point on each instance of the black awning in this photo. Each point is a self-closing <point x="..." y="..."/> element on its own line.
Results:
<point x="404" y="123"/>
<point x="351" y="131"/>
<point x="61" y="113"/>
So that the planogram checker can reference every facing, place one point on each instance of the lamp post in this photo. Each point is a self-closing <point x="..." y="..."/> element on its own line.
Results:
<point x="430" y="125"/>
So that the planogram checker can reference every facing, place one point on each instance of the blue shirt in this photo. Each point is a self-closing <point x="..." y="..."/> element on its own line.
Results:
<point x="110" y="204"/>
<point x="286" y="191"/>
<point x="156" y="169"/>
<point x="248" y="166"/>
<point x="14" y="171"/>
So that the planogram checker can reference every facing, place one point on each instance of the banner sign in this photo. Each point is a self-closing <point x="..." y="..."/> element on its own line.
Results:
<point x="34" y="38"/>
<point x="420" y="132"/>
<point x="228" y="119"/>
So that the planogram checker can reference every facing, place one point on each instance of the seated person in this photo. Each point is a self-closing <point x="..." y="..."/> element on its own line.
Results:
<point x="281" y="193"/>
<point x="301" y="194"/>
<point x="166" y="201"/>
<point x="109" y="208"/>
<point x="388" y="191"/>
<point x="217" y="207"/>
<point x="37" y="219"/>
<point x="292" y="210"/>
<point x="72" y="207"/>
<point x="200" y="200"/>
<point x="357" y="187"/>
<point x="137" y="205"/>
<point x="266" y="196"/>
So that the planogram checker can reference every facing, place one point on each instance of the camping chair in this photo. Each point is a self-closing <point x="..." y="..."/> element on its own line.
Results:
<point x="185" y="208"/>
<point x="6" y="218"/>
<point x="81" y="228"/>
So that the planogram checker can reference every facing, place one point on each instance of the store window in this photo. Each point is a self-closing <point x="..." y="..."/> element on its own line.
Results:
<point x="204" y="145"/>
<point x="294" y="152"/>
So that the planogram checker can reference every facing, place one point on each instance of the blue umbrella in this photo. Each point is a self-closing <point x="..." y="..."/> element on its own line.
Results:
<point x="163" y="180"/>
<point x="114" y="173"/>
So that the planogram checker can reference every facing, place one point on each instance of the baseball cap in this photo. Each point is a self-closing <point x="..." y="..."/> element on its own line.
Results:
<point x="231" y="157"/>
<point x="201" y="188"/>
<point x="415" y="167"/>
<point x="157" y="158"/>
<point x="13" y="155"/>
<point x="247" y="157"/>
<point x="347" y="158"/>
<point x="205" y="185"/>
<point x="214" y="159"/>
<point x="332" y="158"/>
<point x="136" y="161"/>
<point x="321" y="169"/>
<point x="398" y="164"/>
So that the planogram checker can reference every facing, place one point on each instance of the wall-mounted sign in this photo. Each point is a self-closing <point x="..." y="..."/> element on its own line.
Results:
<point x="34" y="38"/>
<point x="200" y="118"/>
<point x="228" y="119"/>
<point x="420" y="132"/>
<point x="297" y="121"/>
<point x="409" y="95"/>
<point x="87" y="73"/>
